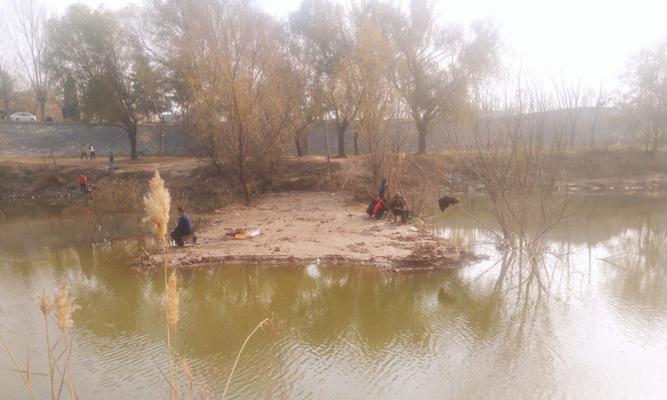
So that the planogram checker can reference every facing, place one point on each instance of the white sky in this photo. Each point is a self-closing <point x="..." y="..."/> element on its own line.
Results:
<point x="586" y="41"/>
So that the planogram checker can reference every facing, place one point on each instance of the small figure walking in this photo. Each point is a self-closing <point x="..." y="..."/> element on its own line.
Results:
<point x="110" y="160"/>
<point x="91" y="150"/>
<point x="83" y="183"/>
<point x="84" y="151"/>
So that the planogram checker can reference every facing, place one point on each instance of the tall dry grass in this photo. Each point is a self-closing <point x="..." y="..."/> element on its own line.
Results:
<point x="60" y="306"/>
<point x="157" y="203"/>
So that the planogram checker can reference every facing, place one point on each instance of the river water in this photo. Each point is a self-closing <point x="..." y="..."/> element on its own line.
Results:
<point x="593" y="327"/>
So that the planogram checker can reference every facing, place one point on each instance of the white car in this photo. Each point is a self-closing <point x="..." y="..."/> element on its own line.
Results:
<point x="23" y="117"/>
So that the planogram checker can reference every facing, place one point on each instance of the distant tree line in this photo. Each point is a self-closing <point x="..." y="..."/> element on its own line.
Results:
<point x="248" y="85"/>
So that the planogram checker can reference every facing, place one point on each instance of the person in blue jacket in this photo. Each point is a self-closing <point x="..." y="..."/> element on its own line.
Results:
<point x="183" y="229"/>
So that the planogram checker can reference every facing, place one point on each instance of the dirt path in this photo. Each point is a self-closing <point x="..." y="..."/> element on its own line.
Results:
<point x="300" y="227"/>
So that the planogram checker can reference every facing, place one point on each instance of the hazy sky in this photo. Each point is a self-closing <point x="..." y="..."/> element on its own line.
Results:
<point x="564" y="40"/>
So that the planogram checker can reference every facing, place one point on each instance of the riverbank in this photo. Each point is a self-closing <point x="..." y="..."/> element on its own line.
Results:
<point x="56" y="178"/>
<point x="311" y="228"/>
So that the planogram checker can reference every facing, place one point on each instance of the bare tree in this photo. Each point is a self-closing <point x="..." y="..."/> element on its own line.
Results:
<point x="437" y="63"/>
<point x="306" y="88"/>
<point x="507" y="149"/>
<point x="7" y="84"/>
<point x="234" y="74"/>
<point x="92" y="48"/>
<point x="28" y="33"/>
<point x="598" y="101"/>
<point x="326" y="29"/>
<point x="377" y="97"/>
<point x="569" y="98"/>
<point x="645" y="99"/>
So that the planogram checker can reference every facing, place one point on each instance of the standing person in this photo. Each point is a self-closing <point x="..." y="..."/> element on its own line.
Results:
<point x="91" y="149"/>
<point x="110" y="160"/>
<point x="184" y="227"/>
<point x="84" y="151"/>
<point x="83" y="181"/>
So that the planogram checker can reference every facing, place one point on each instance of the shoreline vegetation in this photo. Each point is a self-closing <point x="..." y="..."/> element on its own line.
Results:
<point x="306" y="214"/>
<point x="55" y="179"/>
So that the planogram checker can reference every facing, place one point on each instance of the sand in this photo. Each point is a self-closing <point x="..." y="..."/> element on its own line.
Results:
<point x="315" y="227"/>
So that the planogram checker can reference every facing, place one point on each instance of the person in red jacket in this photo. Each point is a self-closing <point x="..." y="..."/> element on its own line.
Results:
<point x="83" y="181"/>
<point x="377" y="207"/>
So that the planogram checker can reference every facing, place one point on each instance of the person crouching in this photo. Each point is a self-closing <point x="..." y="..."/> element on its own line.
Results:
<point x="183" y="228"/>
<point x="377" y="208"/>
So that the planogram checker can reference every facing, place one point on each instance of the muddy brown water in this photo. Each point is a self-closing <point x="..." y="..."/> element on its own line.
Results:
<point x="598" y="329"/>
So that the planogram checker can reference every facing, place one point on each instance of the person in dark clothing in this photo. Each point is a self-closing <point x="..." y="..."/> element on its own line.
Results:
<point x="184" y="227"/>
<point x="446" y="201"/>
<point x="399" y="208"/>
<point x="383" y="188"/>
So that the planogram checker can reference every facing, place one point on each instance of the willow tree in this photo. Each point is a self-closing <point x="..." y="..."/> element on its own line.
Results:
<point x="306" y="86"/>
<point x="7" y="83"/>
<point x="91" y="47"/>
<point x="232" y="71"/>
<point x="436" y="63"/>
<point x="27" y="31"/>
<point x="326" y="29"/>
<point x="377" y="97"/>
<point x="645" y="99"/>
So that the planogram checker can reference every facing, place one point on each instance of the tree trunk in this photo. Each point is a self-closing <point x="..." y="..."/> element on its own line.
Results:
<point x="305" y="145"/>
<point x="297" y="143"/>
<point x="132" y="134"/>
<point x="42" y="109"/>
<point x="241" y="161"/>
<point x="356" y="143"/>
<point x="422" y="130"/>
<point x="341" y="140"/>
<point x="655" y="143"/>
<point x="161" y="150"/>
<point x="326" y="141"/>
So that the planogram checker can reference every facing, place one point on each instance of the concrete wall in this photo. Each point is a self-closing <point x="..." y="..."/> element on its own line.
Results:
<point x="64" y="139"/>
<point x="23" y="139"/>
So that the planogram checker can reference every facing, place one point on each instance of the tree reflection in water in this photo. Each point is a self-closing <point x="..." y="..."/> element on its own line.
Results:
<point x="474" y="332"/>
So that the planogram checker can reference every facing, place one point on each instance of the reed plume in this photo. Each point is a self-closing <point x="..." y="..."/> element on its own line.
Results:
<point x="64" y="306"/>
<point x="44" y="302"/>
<point x="156" y="206"/>
<point x="172" y="300"/>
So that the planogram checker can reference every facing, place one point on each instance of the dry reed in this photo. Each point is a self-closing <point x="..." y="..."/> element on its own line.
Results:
<point x="172" y="300"/>
<point x="157" y="203"/>
<point x="156" y="206"/>
<point x="25" y="377"/>
<point x="45" y="306"/>
<point x="64" y="306"/>
<point x="238" y="356"/>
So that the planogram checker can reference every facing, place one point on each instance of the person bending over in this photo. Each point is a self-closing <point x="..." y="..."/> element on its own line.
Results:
<point x="183" y="229"/>
<point x="377" y="207"/>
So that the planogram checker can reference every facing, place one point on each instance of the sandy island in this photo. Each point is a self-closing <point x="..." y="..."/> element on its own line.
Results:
<point x="307" y="227"/>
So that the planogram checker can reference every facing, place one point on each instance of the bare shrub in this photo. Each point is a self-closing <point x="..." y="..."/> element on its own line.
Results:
<point x="117" y="196"/>
<point x="237" y="85"/>
<point x="508" y="150"/>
